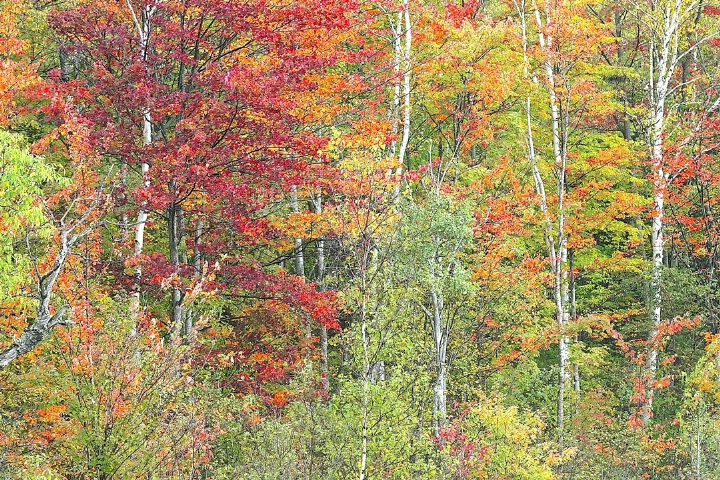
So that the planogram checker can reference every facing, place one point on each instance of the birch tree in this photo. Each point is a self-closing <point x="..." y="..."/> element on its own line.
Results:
<point x="553" y="225"/>
<point x="400" y="111"/>
<point x="441" y="236"/>
<point x="24" y="213"/>
<point x="143" y="26"/>
<point x="668" y="25"/>
<point x="559" y="62"/>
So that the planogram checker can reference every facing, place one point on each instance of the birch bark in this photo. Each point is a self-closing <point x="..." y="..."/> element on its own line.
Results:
<point x="663" y="62"/>
<point x="34" y="334"/>
<point x="143" y="26"/>
<point x="402" y="44"/>
<point x="554" y="230"/>
<point x="174" y="214"/>
<point x="197" y="265"/>
<point x="46" y="320"/>
<point x="440" y="339"/>
<point x="667" y="24"/>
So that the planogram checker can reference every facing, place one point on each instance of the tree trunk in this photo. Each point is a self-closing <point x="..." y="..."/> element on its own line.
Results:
<point x="320" y="269"/>
<point x="440" y="400"/>
<point x="63" y="60"/>
<point x="402" y="65"/>
<point x="663" y="61"/>
<point x="173" y="215"/>
<point x="142" y="218"/>
<point x="143" y="29"/>
<point x="299" y="255"/>
<point x="32" y="336"/>
<point x="197" y="264"/>
<point x="40" y="329"/>
<point x="440" y="338"/>
<point x="555" y="234"/>
<point x="407" y="65"/>
<point x="656" y="276"/>
<point x="574" y="317"/>
<point x="366" y="363"/>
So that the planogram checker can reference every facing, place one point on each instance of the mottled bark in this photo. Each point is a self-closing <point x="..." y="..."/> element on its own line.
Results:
<point x="663" y="61"/>
<point x="440" y="340"/>
<point x="174" y="214"/>
<point x="554" y="228"/>
<point x="402" y="45"/>
<point x="46" y="319"/>
<point x="197" y="264"/>
<point x="299" y="254"/>
<point x="316" y="201"/>
<point x="142" y="25"/>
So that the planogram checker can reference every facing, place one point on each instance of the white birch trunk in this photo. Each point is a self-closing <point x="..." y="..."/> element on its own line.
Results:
<point x="663" y="62"/>
<point x="559" y="140"/>
<point x="402" y="45"/>
<point x="407" y="65"/>
<point x="440" y="340"/>
<point x="142" y="216"/>
<point x="657" y="265"/>
<point x="46" y="321"/>
<point x="666" y="23"/>
<point x="174" y="236"/>
<point x="554" y="228"/>
<point x="143" y="28"/>
<point x="574" y="317"/>
<point x="394" y="113"/>
<point x="40" y="329"/>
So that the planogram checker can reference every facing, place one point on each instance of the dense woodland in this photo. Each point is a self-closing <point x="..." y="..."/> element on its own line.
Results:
<point x="333" y="239"/>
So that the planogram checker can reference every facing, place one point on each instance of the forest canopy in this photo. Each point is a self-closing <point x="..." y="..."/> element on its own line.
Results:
<point x="331" y="239"/>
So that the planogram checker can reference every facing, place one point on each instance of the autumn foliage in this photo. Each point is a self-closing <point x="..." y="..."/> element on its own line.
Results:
<point x="342" y="239"/>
